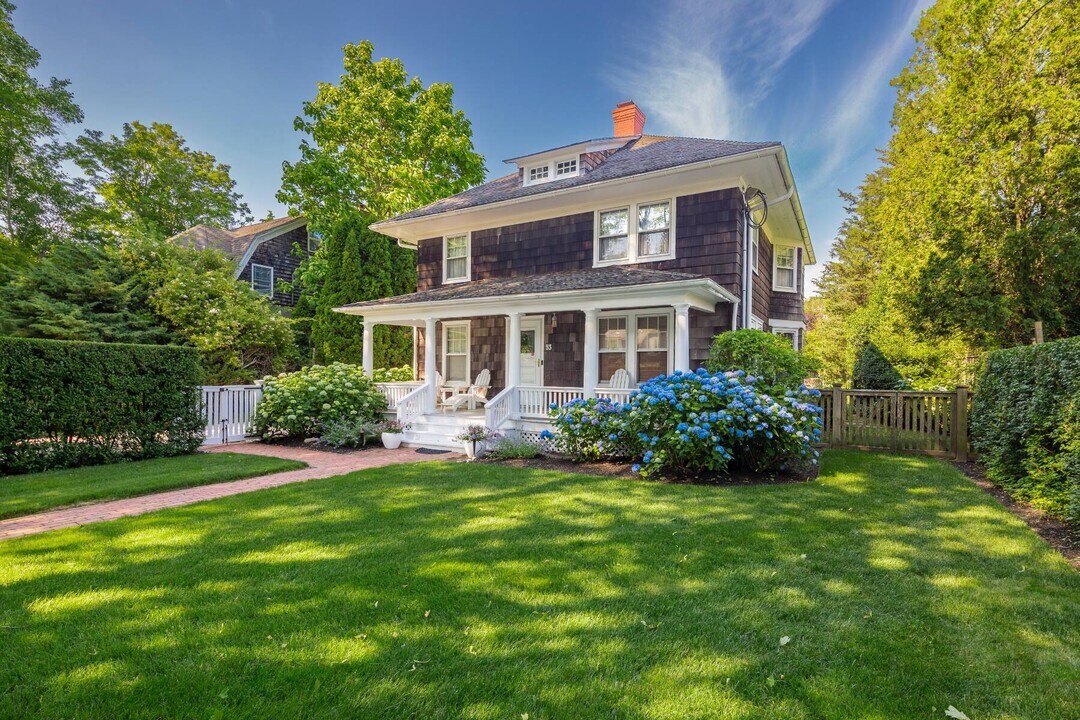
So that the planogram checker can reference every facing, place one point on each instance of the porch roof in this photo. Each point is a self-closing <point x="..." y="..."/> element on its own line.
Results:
<point x="601" y="288"/>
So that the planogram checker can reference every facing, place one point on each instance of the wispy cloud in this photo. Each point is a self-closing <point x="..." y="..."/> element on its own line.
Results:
<point x="845" y="129"/>
<point x="711" y="62"/>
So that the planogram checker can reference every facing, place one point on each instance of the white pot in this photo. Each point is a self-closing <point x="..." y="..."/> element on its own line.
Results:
<point x="470" y="448"/>
<point x="392" y="441"/>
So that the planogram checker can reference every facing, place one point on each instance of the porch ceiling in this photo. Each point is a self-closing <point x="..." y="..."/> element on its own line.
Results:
<point x="610" y="288"/>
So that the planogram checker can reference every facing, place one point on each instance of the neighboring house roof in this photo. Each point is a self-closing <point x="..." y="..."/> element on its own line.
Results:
<point x="608" y="277"/>
<point x="236" y="242"/>
<point x="642" y="154"/>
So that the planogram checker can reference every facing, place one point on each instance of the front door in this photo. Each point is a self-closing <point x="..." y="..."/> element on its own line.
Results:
<point x="532" y="351"/>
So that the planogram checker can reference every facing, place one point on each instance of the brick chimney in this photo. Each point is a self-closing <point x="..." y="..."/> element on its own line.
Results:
<point x="629" y="120"/>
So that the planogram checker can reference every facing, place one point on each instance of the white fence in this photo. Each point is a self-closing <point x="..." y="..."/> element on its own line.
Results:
<point x="228" y="410"/>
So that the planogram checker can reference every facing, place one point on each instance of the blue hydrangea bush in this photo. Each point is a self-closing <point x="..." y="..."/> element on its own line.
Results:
<point x="692" y="425"/>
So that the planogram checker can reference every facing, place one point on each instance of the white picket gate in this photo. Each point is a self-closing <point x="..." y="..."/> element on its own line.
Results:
<point x="228" y="410"/>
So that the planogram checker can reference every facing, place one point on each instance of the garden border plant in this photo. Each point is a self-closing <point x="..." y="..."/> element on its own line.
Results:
<point x="693" y="425"/>
<point x="306" y="402"/>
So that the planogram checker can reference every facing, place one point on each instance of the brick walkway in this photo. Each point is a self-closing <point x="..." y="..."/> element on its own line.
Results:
<point x="320" y="465"/>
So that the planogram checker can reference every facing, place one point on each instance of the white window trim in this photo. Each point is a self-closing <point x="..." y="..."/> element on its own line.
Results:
<point x="468" y="258"/>
<point x="795" y="269"/>
<point x="552" y="166"/>
<point x="631" y="339"/>
<point x="468" y="347"/>
<point x="755" y="249"/>
<point x="271" y="269"/>
<point x="318" y="241"/>
<point x="756" y="323"/>
<point x="632" y="257"/>
<point x="798" y="327"/>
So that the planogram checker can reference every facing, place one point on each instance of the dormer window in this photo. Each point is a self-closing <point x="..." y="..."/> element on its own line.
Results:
<point x="538" y="173"/>
<point x="554" y="169"/>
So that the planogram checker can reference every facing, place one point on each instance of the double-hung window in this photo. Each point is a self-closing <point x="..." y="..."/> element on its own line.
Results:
<point x="612" y="345"/>
<point x="638" y="342"/>
<point x="456" y="258"/>
<point x="789" y="334"/>
<point x="262" y="279"/>
<point x="652" y="345"/>
<point x="456" y="352"/>
<point x="784" y="268"/>
<point x="641" y="232"/>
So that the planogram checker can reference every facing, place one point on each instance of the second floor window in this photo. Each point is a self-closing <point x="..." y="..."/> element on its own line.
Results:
<point x="262" y="279"/>
<point x="636" y="233"/>
<point x="538" y="173"/>
<point x="566" y="167"/>
<point x="784" y="267"/>
<point x="456" y="258"/>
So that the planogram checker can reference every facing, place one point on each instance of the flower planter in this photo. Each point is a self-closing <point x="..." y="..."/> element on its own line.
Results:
<point x="470" y="448"/>
<point x="392" y="441"/>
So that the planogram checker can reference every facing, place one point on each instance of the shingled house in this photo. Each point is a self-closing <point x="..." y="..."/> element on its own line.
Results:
<point x="263" y="252"/>
<point x="624" y="253"/>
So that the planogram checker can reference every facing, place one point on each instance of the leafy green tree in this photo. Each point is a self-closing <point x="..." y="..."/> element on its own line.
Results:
<point x="38" y="201"/>
<point x="153" y="185"/>
<point x="378" y="142"/>
<point x="193" y="293"/>
<point x="360" y="264"/>
<point x="981" y="209"/>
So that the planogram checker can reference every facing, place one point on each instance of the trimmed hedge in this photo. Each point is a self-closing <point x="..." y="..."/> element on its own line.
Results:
<point x="1025" y="424"/>
<point x="66" y="404"/>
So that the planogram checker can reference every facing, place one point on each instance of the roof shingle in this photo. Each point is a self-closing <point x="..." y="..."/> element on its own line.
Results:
<point x="645" y="154"/>
<point x="233" y="243"/>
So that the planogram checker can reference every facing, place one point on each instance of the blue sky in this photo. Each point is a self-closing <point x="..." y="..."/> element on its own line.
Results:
<point x="230" y="75"/>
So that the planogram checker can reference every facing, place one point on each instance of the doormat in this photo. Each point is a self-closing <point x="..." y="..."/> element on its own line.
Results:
<point x="430" y="451"/>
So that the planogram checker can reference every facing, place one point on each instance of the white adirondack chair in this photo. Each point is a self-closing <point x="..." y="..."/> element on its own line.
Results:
<point x="477" y="392"/>
<point x="620" y="380"/>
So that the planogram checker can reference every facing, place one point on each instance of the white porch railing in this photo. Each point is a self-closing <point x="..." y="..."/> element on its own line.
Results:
<point x="414" y="404"/>
<point x="228" y="410"/>
<point x="499" y="409"/>
<point x="395" y="391"/>
<point x="619" y="395"/>
<point x="534" y="402"/>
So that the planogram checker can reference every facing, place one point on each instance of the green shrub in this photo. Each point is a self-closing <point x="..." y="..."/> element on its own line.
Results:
<point x="509" y="448"/>
<point x="768" y="358"/>
<point x="1025" y="424"/>
<point x="67" y="404"/>
<point x="873" y="371"/>
<point x="394" y="374"/>
<point x="303" y="403"/>
<point x="348" y="432"/>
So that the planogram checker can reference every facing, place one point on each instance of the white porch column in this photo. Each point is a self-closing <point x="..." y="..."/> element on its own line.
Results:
<point x="429" y="362"/>
<point x="591" y="361"/>
<point x="513" y="350"/>
<point x="369" y="347"/>
<point x="682" y="337"/>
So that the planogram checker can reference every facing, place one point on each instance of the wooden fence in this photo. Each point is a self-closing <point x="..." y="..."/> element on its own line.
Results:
<point x="926" y="423"/>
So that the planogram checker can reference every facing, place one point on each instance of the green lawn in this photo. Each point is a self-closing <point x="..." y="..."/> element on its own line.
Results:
<point x="445" y="590"/>
<point x="25" y="494"/>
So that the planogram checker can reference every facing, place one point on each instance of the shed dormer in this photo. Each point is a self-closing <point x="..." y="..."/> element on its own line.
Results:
<point x="573" y="160"/>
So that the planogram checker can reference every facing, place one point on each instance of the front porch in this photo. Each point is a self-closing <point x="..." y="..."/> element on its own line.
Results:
<point x="542" y="347"/>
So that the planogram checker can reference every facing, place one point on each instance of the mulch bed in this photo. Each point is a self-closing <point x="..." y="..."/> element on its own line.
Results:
<point x="1057" y="533"/>
<point x="618" y="469"/>
<point x="301" y="443"/>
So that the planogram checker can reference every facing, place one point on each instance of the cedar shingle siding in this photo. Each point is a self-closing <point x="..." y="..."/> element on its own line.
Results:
<point x="278" y="253"/>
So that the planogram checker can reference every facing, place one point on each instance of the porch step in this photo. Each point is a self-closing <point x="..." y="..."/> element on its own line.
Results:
<point x="437" y="430"/>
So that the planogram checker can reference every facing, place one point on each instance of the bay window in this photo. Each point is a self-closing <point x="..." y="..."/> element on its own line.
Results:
<point x="639" y="232"/>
